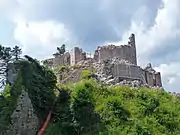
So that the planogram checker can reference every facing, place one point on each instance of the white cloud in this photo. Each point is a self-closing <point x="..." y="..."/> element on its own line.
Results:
<point x="170" y="75"/>
<point x="46" y="32"/>
<point x="148" y="38"/>
<point x="36" y="37"/>
<point x="165" y="28"/>
<point x="169" y="71"/>
<point x="4" y="3"/>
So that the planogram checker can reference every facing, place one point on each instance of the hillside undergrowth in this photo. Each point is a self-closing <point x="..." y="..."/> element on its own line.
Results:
<point x="38" y="81"/>
<point x="90" y="108"/>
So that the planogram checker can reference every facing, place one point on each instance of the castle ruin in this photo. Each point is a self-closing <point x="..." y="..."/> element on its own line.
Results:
<point x="119" y="62"/>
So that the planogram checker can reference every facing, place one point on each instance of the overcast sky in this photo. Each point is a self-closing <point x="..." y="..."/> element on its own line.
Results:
<point x="39" y="26"/>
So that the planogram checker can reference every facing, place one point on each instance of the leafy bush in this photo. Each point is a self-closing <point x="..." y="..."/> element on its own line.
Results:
<point x="40" y="83"/>
<point x="60" y="69"/>
<point x="9" y="102"/>
<point x="88" y="107"/>
<point x="86" y="74"/>
<point x="62" y="118"/>
<point x="97" y="109"/>
<point x="76" y="66"/>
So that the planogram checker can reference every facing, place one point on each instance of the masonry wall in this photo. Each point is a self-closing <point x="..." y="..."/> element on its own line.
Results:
<point x="61" y="60"/>
<point x="76" y="55"/>
<point x="128" y="71"/>
<point x="58" y="61"/>
<point x="125" y="52"/>
<point x="149" y="78"/>
<point x="72" y="55"/>
<point x="158" y="79"/>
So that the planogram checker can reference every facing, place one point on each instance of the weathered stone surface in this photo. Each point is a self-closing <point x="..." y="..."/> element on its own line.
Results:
<point x="76" y="55"/>
<point x="24" y="121"/>
<point x="119" y="62"/>
<point x="126" y="52"/>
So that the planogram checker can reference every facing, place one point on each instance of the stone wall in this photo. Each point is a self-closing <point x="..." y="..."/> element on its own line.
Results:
<point x="126" y="52"/>
<point x="111" y="51"/>
<point x="128" y="72"/>
<point x="158" y="79"/>
<point x="77" y="55"/>
<point x="149" y="78"/>
<point x="24" y="121"/>
<point x="61" y="60"/>
<point x="58" y="61"/>
<point x="153" y="78"/>
<point x="120" y="70"/>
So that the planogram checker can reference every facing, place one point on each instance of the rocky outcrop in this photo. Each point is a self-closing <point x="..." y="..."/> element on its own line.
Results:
<point x="24" y="121"/>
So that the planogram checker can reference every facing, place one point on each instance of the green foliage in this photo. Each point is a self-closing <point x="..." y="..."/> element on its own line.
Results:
<point x="86" y="74"/>
<point x="16" y="52"/>
<point x="5" y="53"/>
<point x="74" y="112"/>
<point x="85" y="120"/>
<point x="96" y="109"/>
<point x="60" y="69"/>
<point x="90" y="108"/>
<point x="76" y="66"/>
<point x="6" y="56"/>
<point x="6" y="92"/>
<point x="61" y="123"/>
<point x="9" y="102"/>
<point x="40" y="83"/>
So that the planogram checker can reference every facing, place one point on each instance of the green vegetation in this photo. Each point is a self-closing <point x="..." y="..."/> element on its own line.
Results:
<point x="76" y="66"/>
<point x="7" y="55"/>
<point x="90" y="108"/>
<point x="9" y="102"/>
<point x="87" y="108"/>
<point x="86" y="74"/>
<point x="38" y="81"/>
<point x="60" y="69"/>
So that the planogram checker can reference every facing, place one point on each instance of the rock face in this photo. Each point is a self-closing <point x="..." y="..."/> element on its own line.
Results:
<point x="24" y="121"/>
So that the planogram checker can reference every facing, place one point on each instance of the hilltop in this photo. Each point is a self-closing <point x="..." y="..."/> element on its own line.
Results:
<point x="87" y="106"/>
<point x="78" y="95"/>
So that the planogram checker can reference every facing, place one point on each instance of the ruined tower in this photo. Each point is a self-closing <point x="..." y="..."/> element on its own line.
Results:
<point x="132" y="43"/>
<point x="76" y="55"/>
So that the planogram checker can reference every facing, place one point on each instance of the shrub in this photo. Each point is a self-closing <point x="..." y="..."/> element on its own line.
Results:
<point x="40" y="83"/>
<point x="9" y="102"/>
<point x="86" y="74"/>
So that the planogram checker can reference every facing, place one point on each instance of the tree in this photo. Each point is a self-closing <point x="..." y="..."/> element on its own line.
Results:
<point x="61" y="50"/>
<point x="5" y="58"/>
<point x="16" y="52"/>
